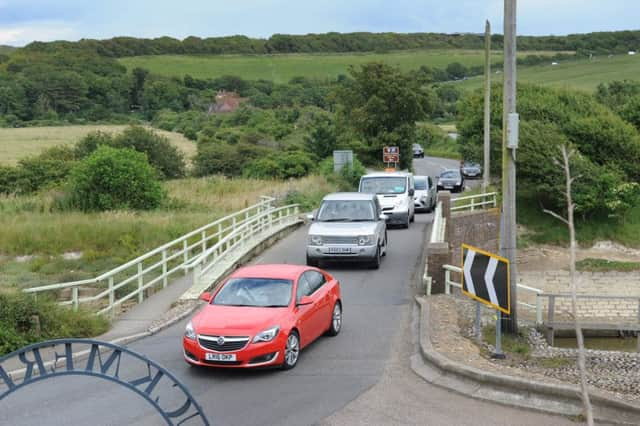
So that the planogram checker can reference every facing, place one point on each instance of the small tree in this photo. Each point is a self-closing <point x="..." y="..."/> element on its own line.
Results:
<point x="111" y="179"/>
<point x="566" y="155"/>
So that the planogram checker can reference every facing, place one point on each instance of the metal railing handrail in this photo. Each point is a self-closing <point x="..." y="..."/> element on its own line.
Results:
<point x="238" y="225"/>
<point x="202" y="256"/>
<point x="486" y="199"/>
<point x="438" y="223"/>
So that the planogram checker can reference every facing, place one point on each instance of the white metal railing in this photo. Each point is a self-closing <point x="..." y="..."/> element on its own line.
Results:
<point x="439" y="225"/>
<point x="156" y="266"/>
<point x="448" y="283"/>
<point x="472" y="202"/>
<point x="203" y="263"/>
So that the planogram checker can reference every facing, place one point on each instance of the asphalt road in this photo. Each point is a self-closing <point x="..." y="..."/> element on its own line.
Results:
<point x="359" y="377"/>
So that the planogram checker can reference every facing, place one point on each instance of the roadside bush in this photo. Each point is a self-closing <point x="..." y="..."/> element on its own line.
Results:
<point x="166" y="158"/>
<point x="219" y="157"/>
<point x="89" y="143"/>
<point x="112" y="179"/>
<point x="281" y="165"/>
<point x="50" y="167"/>
<point x="347" y="179"/>
<point x="16" y="327"/>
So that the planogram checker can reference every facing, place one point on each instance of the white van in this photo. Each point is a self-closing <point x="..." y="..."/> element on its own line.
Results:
<point x="395" y="193"/>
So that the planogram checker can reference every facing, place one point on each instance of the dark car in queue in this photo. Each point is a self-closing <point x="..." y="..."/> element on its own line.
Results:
<point x="262" y="316"/>
<point x="451" y="180"/>
<point x="471" y="170"/>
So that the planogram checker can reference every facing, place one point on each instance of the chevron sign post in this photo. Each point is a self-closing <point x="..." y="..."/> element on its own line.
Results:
<point x="485" y="278"/>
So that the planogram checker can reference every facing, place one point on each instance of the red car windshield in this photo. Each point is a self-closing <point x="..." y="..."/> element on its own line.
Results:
<point x="258" y="292"/>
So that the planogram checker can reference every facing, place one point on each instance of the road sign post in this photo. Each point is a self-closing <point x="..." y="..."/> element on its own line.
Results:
<point x="485" y="278"/>
<point x="391" y="154"/>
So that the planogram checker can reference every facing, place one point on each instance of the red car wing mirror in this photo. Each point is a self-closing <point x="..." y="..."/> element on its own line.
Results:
<point x="206" y="296"/>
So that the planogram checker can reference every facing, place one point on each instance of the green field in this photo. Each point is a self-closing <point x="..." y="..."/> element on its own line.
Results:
<point x="282" y="68"/>
<point x="583" y="74"/>
<point x="19" y="143"/>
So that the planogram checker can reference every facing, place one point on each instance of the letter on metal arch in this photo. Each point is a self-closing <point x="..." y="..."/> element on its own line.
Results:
<point x="103" y="361"/>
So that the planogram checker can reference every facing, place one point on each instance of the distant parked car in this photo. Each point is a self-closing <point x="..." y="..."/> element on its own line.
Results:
<point x="418" y="152"/>
<point x="262" y="316"/>
<point x="471" y="170"/>
<point x="451" y="179"/>
<point x="348" y="226"/>
<point x="425" y="196"/>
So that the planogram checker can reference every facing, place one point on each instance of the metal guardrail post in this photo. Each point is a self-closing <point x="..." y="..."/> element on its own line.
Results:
<point x="552" y="307"/>
<point x="164" y="269"/>
<point x="538" y="309"/>
<point x="204" y="241"/>
<point x="140" y="284"/>
<point x="112" y="296"/>
<point x="185" y="255"/>
<point x="447" y="279"/>
<point x="473" y="203"/>
<point x="74" y="296"/>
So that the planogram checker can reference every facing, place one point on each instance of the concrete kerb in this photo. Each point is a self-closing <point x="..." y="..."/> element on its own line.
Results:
<point x="190" y="307"/>
<point x="507" y="390"/>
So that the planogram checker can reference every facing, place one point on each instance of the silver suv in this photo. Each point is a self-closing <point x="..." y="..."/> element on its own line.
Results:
<point x="348" y="226"/>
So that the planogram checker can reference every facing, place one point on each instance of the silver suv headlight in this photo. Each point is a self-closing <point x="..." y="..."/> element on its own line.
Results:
<point x="315" y="240"/>
<point x="366" y="240"/>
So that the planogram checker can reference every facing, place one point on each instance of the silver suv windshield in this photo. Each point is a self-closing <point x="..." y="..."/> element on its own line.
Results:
<point x="346" y="211"/>
<point x="383" y="185"/>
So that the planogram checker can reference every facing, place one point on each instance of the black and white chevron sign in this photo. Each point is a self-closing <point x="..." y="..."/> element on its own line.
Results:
<point x="485" y="278"/>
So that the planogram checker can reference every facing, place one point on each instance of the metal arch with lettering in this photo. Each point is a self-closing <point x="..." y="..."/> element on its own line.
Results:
<point x="103" y="361"/>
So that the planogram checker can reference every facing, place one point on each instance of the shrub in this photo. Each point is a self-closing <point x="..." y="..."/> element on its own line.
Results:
<point x="281" y="165"/>
<point x="166" y="158"/>
<point x="50" y="167"/>
<point x="347" y="179"/>
<point x="18" y="310"/>
<point x="91" y="142"/>
<point x="219" y="157"/>
<point x="115" y="179"/>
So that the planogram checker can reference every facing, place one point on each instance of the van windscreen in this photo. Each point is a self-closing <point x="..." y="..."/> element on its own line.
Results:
<point x="383" y="185"/>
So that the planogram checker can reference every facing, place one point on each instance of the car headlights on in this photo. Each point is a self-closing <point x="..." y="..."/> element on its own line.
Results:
<point x="315" y="240"/>
<point x="267" y="335"/>
<point x="365" y="240"/>
<point x="189" y="331"/>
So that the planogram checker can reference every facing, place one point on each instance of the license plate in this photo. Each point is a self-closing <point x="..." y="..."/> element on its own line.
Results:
<point x="220" y="357"/>
<point x="339" y="250"/>
<point x="448" y="187"/>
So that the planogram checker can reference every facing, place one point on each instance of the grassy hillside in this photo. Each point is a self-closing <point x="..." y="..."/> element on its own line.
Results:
<point x="583" y="74"/>
<point x="6" y="50"/>
<point x="19" y="143"/>
<point x="281" y="68"/>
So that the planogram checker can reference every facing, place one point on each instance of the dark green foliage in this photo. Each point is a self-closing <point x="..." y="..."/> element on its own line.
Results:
<point x="381" y="106"/>
<point x="281" y="165"/>
<point x="456" y="71"/>
<point x="622" y="97"/>
<point x="607" y="148"/>
<point x="219" y="157"/>
<point x="322" y="138"/>
<point x="166" y="158"/>
<point x="18" y="313"/>
<point x="347" y="179"/>
<point x="601" y="42"/>
<point x="111" y="179"/>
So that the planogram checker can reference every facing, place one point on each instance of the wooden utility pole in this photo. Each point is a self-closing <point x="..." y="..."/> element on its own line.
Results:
<point x="509" y="144"/>
<point x="487" y="106"/>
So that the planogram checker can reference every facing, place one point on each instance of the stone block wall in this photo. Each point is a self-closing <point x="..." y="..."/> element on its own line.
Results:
<point x="478" y="228"/>
<point x="591" y="283"/>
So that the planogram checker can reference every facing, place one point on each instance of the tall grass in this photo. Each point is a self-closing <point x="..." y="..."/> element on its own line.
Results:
<point x="31" y="226"/>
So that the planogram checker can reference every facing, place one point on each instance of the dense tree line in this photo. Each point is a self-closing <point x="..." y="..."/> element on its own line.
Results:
<point x="601" y="42"/>
<point x="608" y="148"/>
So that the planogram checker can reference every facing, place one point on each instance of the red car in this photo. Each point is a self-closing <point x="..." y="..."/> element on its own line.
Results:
<point x="264" y="315"/>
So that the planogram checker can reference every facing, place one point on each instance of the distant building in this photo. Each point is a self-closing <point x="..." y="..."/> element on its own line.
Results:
<point x="225" y="102"/>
